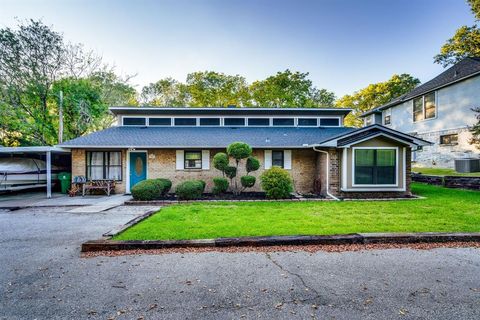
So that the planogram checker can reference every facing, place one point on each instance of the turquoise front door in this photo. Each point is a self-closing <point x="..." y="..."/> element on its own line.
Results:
<point x="138" y="167"/>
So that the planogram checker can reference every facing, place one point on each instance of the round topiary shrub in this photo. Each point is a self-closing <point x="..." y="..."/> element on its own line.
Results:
<point x="252" y="164"/>
<point x="239" y="150"/>
<point x="164" y="184"/>
<point x="220" y="185"/>
<point x="276" y="183"/>
<point x="146" y="190"/>
<point x="231" y="172"/>
<point x="220" y="161"/>
<point x="248" y="181"/>
<point x="190" y="190"/>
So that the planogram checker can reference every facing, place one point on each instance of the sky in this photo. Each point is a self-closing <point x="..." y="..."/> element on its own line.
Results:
<point x="344" y="44"/>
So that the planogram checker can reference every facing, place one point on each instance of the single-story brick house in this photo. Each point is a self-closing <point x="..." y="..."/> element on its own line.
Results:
<point x="322" y="155"/>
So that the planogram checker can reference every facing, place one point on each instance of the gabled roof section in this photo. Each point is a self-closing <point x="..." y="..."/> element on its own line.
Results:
<point x="463" y="70"/>
<point x="370" y="132"/>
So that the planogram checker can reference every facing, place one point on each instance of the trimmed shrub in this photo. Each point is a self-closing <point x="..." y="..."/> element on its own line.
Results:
<point x="248" y="181"/>
<point x="146" y="190"/>
<point x="203" y="183"/>
<point x="164" y="184"/>
<point x="190" y="190"/>
<point x="220" y="161"/>
<point x="239" y="150"/>
<point x="220" y="185"/>
<point x="231" y="172"/>
<point x="276" y="183"/>
<point x="252" y="164"/>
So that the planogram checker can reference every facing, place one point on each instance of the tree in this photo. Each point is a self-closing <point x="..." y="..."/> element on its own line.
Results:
<point x="464" y="43"/>
<point x="375" y="95"/>
<point x="167" y="92"/>
<point x="290" y="89"/>
<point x="475" y="130"/>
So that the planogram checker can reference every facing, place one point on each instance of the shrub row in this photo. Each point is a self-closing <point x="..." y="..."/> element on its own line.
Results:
<point x="151" y="189"/>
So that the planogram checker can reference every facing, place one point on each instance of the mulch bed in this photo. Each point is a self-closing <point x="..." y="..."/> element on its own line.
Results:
<point x="305" y="248"/>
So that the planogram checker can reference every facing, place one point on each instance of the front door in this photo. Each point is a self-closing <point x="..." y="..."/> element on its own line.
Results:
<point x="138" y="167"/>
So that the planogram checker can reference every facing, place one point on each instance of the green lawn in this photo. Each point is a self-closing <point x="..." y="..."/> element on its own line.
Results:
<point x="443" y="210"/>
<point x="444" y="172"/>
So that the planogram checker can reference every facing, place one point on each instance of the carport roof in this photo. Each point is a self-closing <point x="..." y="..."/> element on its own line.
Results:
<point x="34" y="149"/>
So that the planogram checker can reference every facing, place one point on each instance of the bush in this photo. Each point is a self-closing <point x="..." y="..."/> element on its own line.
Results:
<point x="164" y="184"/>
<point x="203" y="183"/>
<point x="276" y="183"/>
<point x="220" y="161"/>
<point x="190" y="190"/>
<point x="146" y="190"/>
<point x="231" y="172"/>
<point x="248" y="181"/>
<point x="239" y="150"/>
<point x="220" y="185"/>
<point x="252" y="164"/>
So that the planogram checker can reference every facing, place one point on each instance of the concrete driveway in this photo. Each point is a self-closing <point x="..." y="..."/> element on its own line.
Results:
<point x="43" y="277"/>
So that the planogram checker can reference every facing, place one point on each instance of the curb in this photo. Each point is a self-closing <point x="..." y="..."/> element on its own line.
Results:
<point x="130" y="223"/>
<point x="356" y="238"/>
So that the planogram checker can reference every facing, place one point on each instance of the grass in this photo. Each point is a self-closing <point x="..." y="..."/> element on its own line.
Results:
<point x="443" y="210"/>
<point x="444" y="172"/>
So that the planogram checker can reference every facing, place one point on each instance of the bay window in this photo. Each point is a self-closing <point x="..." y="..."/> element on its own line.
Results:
<point x="375" y="166"/>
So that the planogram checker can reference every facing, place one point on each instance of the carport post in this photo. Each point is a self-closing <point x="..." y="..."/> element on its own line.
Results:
<point x="49" y="174"/>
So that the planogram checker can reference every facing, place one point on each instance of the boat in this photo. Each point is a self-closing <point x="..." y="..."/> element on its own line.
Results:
<point x="24" y="173"/>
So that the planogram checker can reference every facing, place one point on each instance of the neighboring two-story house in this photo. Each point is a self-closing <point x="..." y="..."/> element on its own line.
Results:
<point x="439" y="111"/>
<point x="321" y="154"/>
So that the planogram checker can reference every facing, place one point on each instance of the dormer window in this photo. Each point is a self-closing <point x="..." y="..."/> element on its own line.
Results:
<point x="424" y="107"/>
<point x="387" y="116"/>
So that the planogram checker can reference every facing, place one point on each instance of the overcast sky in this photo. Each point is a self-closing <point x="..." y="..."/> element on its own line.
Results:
<point x="345" y="45"/>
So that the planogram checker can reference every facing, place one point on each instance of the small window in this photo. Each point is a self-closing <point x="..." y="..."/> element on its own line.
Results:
<point x="424" y="107"/>
<point x="375" y="166"/>
<point x="277" y="158"/>
<point x="307" y="122"/>
<point x="258" y="121"/>
<point x="193" y="160"/>
<point x="449" y="139"/>
<point x="160" y="121"/>
<point x="128" y="121"/>
<point x="387" y="116"/>
<point x="234" y="122"/>
<point x="369" y="120"/>
<point x="329" y="122"/>
<point x="209" y="121"/>
<point x="103" y="165"/>
<point x="288" y="122"/>
<point x="185" y="121"/>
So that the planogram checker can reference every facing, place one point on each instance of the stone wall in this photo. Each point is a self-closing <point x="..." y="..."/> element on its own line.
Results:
<point x="472" y="183"/>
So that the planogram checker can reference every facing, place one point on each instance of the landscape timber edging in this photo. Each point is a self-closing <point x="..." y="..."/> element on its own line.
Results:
<point x="130" y="223"/>
<point x="355" y="238"/>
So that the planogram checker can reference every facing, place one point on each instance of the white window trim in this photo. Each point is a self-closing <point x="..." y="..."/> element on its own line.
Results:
<point x="135" y="125"/>
<point x="259" y="117"/>
<point x="236" y="117"/>
<point x="201" y="160"/>
<point x="387" y="112"/>
<point x="423" y="107"/>
<point x="127" y="170"/>
<point x="209" y="126"/>
<point x="160" y="117"/>
<point x="376" y="185"/>
<point x="330" y="117"/>
<point x="190" y="125"/>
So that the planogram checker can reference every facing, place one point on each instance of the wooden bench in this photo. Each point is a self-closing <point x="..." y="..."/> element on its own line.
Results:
<point x="106" y="185"/>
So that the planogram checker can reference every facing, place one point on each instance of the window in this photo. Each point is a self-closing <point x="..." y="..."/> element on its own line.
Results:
<point x="134" y="121"/>
<point x="234" y="122"/>
<point x="193" y="160"/>
<point x="209" y="121"/>
<point x="160" y="121"/>
<point x="368" y="120"/>
<point x="329" y="122"/>
<point x="258" y="121"/>
<point x="283" y="122"/>
<point x="387" y="117"/>
<point x="277" y="158"/>
<point x="449" y="139"/>
<point x="104" y="165"/>
<point x="307" y="122"/>
<point x="375" y="166"/>
<point x="185" y="121"/>
<point x="424" y="107"/>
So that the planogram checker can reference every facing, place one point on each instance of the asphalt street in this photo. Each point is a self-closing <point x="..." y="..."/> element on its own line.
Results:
<point x="43" y="277"/>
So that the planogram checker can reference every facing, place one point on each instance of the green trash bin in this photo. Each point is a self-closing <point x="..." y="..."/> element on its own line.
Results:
<point x="65" y="180"/>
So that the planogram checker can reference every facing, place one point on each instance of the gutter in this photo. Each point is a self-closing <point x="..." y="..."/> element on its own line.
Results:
<point x="327" y="168"/>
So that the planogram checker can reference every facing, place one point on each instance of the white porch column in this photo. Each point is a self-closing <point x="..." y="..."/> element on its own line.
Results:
<point x="49" y="174"/>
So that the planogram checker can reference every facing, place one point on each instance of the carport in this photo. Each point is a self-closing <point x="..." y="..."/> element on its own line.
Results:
<point x="45" y="153"/>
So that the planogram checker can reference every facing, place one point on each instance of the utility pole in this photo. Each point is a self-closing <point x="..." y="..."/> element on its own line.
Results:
<point x="60" y="116"/>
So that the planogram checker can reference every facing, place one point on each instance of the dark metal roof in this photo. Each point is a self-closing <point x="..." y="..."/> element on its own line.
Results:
<point x="205" y="137"/>
<point x="229" y="111"/>
<point x="464" y="69"/>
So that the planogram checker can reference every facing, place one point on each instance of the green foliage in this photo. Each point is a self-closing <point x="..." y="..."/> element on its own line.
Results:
<point x="190" y="190"/>
<point x="248" y="181"/>
<point x="290" y="89"/>
<point x="475" y="129"/>
<point x="203" y="183"/>
<point x="167" y="92"/>
<point x="230" y="172"/>
<point x="239" y="150"/>
<point x="220" y="161"/>
<point x="146" y="190"/>
<point x="375" y="95"/>
<point x="252" y="164"/>
<point x="465" y="43"/>
<point x="220" y="185"/>
<point x="164" y="184"/>
<point x="276" y="183"/>
<point x="475" y="6"/>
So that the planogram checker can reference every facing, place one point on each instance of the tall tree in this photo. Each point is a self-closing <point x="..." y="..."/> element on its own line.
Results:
<point x="375" y="95"/>
<point x="290" y="89"/>
<point x="167" y="92"/>
<point x="464" y="43"/>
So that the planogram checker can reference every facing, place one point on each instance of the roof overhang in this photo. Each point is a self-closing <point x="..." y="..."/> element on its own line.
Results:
<point x="377" y="130"/>
<point x="37" y="149"/>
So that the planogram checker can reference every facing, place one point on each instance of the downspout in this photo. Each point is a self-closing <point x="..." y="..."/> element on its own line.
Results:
<point x="327" y="172"/>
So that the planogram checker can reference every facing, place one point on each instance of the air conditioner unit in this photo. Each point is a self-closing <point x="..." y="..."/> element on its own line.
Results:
<point x="466" y="165"/>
